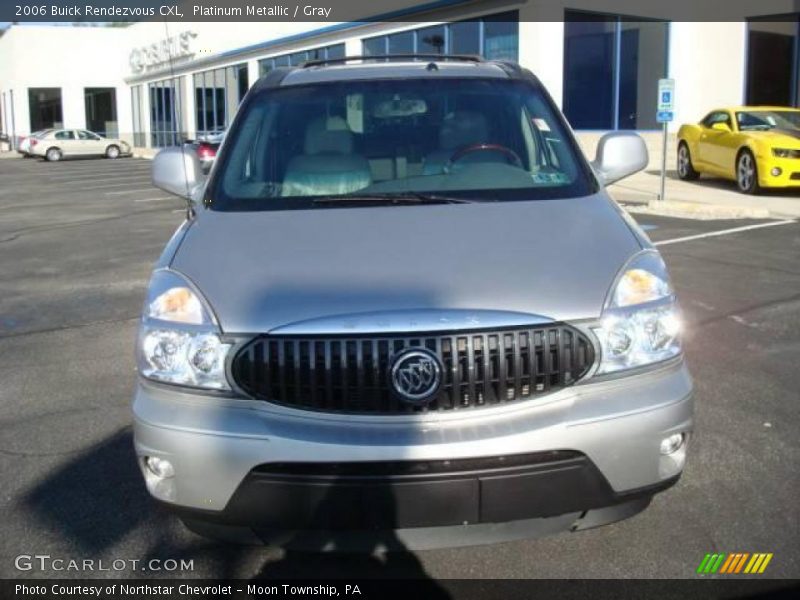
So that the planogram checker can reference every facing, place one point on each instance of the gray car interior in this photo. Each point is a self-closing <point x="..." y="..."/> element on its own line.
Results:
<point x="328" y="164"/>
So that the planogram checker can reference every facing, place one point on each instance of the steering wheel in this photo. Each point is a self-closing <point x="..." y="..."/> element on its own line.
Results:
<point x="511" y="156"/>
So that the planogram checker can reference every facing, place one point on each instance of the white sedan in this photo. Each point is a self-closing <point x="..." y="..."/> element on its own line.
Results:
<point x="60" y="143"/>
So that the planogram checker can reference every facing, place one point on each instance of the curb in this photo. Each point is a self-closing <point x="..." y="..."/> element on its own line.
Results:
<point x="696" y="210"/>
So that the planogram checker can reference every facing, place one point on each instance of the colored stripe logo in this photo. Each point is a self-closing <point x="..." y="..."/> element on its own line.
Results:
<point x="735" y="563"/>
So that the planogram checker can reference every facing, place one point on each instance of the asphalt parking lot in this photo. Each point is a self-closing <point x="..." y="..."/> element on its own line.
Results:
<point x="77" y="241"/>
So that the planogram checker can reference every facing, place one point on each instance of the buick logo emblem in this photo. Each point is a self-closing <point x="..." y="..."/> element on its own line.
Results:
<point x="416" y="375"/>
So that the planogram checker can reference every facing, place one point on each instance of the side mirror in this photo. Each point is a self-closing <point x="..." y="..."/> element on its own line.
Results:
<point x="721" y="127"/>
<point x="177" y="171"/>
<point x="619" y="155"/>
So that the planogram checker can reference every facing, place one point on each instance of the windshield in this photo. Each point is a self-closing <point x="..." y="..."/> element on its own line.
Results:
<point x="763" y="120"/>
<point x="477" y="139"/>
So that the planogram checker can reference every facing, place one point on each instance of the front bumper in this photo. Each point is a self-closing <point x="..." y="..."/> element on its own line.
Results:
<point x="236" y="461"/>
<point x="789" y="172"/>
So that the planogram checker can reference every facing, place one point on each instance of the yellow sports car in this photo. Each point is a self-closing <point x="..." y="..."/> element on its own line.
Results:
<point x="757" y="146"/>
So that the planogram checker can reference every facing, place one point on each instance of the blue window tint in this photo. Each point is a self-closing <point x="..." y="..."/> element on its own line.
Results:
<point x="501" y="37"/>
<point x="498" y="34"/>
<point x="401" y="43"/>
<point x="465" y="37"/>
<point x="335" y="51"/>
<point x="773" y="60"/>
<point x="643" y="61"/>
<point x="589" y="71"/>
<point x="611" y="70"/>
<point x="431" y="40"/>
<point x="374" y="46"/>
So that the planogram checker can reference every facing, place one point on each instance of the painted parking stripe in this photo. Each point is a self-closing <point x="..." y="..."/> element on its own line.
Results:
<point x="143" y="177"/>
<point x="154" y="199"/>
<point x="149" y="189"/>
<point x="82" y="170"/>
<point x="109" y="185"/>
<point x="700" y="236"/>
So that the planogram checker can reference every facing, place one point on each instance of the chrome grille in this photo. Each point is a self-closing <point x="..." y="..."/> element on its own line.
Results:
<point x="350" y="374"/>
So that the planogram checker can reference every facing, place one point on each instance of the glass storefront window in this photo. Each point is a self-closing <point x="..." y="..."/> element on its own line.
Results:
<point x="101" y="111"/>
<point x="501" y="37"/>
<point x="374" y="46"/>
<point x="495" y="37"/>
<point x="643" y="61"/>
<point x="218" y="93"/>
<point x="44" y="105"/>
<point x="265" y="65"/>
<point x="611" y="70"/>
<point x="773" y="61"/>
<point x="166" y="108"/>
<point x="137" y="108"/>
<point x="465" y="37"/>
<point x="431" y="40"/>
<point x="401" y="43"/>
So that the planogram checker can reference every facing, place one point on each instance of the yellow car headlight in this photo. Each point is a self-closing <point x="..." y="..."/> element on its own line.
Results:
<point x="785" y="153"/>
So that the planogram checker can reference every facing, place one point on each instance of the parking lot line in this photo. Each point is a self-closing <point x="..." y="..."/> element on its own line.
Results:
<point x="147" y="189"/>
<point x="68" y="181"/>
<point x="689" y="238"/>
<point x="154" y="199"/>
<point x="109" y="185"/>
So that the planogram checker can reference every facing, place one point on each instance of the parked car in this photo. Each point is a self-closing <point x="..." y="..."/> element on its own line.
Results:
<point x="24" y="147"/>
<point x="756" y="146"/>
<point x="60" y="143"/>
<point x="404" y="308"/>
<point x="206" y="146"/>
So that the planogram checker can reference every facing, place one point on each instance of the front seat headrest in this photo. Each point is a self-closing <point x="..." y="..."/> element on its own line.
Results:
<point x="328" y="135"/>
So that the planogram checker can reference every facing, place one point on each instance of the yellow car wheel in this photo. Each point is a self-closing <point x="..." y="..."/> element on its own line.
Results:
<point x="747" y="173"/>
<point x="685" y="168"/>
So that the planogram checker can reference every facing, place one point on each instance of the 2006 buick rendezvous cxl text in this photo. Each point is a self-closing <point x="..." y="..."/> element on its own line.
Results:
<point x="403" y="303"/>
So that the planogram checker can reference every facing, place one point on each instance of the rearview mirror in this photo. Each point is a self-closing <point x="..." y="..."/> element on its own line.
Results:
<point x="619" y="155"/>
<point x="177" y="171"/>
<point x="721" y="127"/>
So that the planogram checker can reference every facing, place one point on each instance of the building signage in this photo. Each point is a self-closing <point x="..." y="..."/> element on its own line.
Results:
<point x="155" y="55"/>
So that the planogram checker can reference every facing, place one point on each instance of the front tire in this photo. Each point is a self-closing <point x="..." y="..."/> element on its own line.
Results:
<point x="686" y="170"/>
<point x="747" y="173"/>
<point x="53" y="154"/>
<point x="112" y="151"/>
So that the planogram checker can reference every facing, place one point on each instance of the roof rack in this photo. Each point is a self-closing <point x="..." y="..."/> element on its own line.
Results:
<point x="380" y="57"/>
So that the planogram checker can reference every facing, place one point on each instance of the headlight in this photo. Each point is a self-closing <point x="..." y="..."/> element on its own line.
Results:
<point x="179" y="338"/>
<point x="785" y="153"/>
<point x="641" y="320"/>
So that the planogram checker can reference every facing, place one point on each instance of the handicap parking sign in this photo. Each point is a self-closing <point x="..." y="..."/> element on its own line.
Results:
<point x="666" y="95"/>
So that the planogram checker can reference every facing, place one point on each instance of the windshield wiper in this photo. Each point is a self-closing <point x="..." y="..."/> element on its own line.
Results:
<point x="391" y="199"/>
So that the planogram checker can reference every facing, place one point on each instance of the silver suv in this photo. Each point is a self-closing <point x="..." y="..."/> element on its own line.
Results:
<point x="403" y="305"/>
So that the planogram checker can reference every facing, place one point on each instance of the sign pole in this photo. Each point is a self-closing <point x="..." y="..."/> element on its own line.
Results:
<point x="664" y="114"/>
<point x="663" y="161"/>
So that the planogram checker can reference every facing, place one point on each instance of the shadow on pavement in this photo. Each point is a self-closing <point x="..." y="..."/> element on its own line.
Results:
<point x="98" y="502"/>
<point x="96" y="499"/>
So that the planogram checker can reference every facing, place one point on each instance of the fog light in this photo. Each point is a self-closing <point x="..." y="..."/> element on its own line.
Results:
<point x="776" y="171"/>
<point x="162" y="468"/>
<point x="671" y="444"/>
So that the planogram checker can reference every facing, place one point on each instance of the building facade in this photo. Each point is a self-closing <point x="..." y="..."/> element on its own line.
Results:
<point x="155" y="84"/>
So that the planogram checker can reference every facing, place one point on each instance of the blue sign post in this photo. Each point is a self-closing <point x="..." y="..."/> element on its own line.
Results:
<point x="665" y="112"/>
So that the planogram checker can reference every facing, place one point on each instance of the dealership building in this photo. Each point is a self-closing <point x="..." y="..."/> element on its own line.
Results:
<point x="155" y="83"/>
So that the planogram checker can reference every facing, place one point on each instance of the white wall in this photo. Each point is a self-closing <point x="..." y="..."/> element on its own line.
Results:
<point x="707" y="61"/>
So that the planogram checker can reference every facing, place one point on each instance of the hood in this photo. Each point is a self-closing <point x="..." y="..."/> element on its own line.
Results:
<point x="785" y="138"/>
<point x="264" y="270"/>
